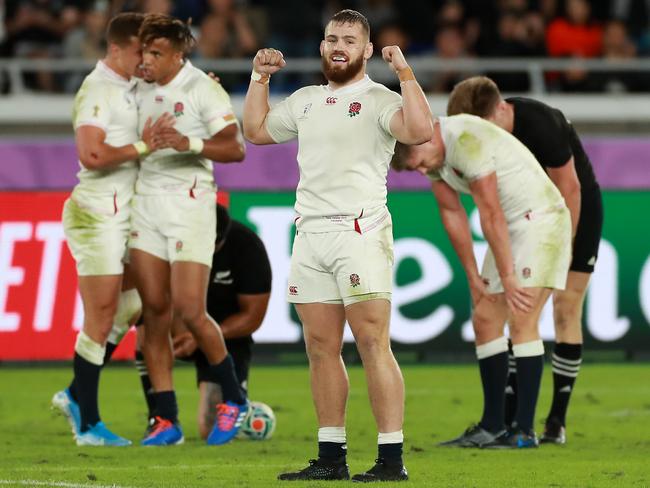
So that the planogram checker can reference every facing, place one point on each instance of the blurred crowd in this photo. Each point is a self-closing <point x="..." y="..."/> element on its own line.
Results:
<point x="446" y="29"/>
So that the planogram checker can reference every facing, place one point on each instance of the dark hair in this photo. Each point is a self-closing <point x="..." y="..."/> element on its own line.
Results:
<point x="398" y="161"/>
<point x="224" y="223"/>
<point x="123" y="27"/>
<point x="349" y="16"/>
<point x="478" y="95"/>
<point x="160" y="26"/>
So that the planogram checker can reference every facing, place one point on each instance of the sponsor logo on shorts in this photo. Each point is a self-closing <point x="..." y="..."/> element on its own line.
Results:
<point x="354" y="109"/>
<point x="293" y="290"/>
<point x="159" y="99"/>
<point x="331" y="100"/>
<point x="134" y="234"/>
<point x="525" y="273"/>
<point x="354" y="280"/>
<point x="178" y="109"/>
<point x="179" y="246"/>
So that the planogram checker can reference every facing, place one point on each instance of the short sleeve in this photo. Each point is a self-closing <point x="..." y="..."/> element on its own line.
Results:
<point x="434" y="175"/>
<point x="92" y="106"/>
<point x="215" y="107"/>
<point x="281" y="123"/>
<point x="389" y="103"/>
<point x="473" y="157"/>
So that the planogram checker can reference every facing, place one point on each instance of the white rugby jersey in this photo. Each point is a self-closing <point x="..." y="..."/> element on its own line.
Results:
<point x="202" y="108"/>
<point x="107" y="101"/>
<point x="344" y="151"/>
<point x="475" y="148"/>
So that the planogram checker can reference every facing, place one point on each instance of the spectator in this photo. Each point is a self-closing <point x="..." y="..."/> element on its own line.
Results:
<point x="86" y="42"/>
<point x="575" y="34"/>
<point x="449" y="44"/>
<point x="226" y="32"/>
<point x="157" y="7"/>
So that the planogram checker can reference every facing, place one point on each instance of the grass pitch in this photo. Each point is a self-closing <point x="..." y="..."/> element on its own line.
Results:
<point x="609" y="433"/>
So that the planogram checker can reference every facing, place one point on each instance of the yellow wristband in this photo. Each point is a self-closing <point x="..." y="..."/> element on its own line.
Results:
<point x="196" y="145"/>
<point x="260" y="78"/>
<point x="141" y="148"/>
<point x="405" y="74"/>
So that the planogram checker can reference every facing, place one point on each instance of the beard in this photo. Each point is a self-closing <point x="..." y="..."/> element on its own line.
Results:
<point x="340" y="75"/>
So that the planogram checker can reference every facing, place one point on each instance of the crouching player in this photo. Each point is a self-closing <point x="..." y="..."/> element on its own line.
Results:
<point x="528" y="228"/>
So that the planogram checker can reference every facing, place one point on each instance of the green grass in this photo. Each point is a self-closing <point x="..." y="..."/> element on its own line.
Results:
<point x="609" y="433"/>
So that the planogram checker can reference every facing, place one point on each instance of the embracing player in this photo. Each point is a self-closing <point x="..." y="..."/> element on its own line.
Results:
<point x="174" y="222"/>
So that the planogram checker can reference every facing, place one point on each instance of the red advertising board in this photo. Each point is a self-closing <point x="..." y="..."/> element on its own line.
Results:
<point x="40" y="308"/>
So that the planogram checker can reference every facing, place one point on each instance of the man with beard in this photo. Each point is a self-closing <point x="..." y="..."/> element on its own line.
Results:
<point x="341" y="264"/>
<point x="173" y="226"/>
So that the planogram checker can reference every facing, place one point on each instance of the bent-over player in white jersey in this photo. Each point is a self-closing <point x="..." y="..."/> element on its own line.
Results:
<point x="96" y="220"/>
<point x="342" y="259"/>
<point x="173" y="225"/>
<point x="528" y="228"/>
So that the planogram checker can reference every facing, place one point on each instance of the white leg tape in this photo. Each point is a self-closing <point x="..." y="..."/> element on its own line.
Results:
<point x="528" y="349"/>
<point x="89" y="349"/>
<point x="331" y="434"/>
<point x="390" y="437"/>
<point x="128" y="307"/>
<point x="492" y="348"/>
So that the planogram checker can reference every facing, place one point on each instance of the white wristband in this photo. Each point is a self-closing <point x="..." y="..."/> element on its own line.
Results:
<point x="196" y="145"/>
<point x="260" y="78"/>
<point x="141" y="148"/>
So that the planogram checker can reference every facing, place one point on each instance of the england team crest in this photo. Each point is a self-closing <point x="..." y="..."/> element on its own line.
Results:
<point x="354" y="280"/>
<point x="178" y="109"/>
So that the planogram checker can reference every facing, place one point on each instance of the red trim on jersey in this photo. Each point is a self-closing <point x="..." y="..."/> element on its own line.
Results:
<point x="192" y="189"/>
<point x="357" y="228"/>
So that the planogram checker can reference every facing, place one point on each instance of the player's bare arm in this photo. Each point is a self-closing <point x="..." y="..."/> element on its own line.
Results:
<point x="252" y="308"/>
<point x="493" y="223"/>
<point x="256" y="104"/>
<point x="411" y="124"/>
<point x="454" y="219"/>
<point x="95" y="154"/>
<point x="226" y="146"/>
<point x="566" y="180"/>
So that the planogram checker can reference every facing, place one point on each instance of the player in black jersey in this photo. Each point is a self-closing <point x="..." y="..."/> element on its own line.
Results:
<point x="551" y="138"/>
<point x="237" y="298"/>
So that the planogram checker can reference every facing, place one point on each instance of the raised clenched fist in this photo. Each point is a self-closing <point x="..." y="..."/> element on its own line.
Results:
<point x="394" y="57"/>
<point x="268" y="61"/>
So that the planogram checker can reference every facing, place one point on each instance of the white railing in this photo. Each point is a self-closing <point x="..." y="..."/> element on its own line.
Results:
<point x="422" y="65"/>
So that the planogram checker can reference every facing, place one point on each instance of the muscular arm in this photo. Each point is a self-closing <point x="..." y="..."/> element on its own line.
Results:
<point x="493" y="222"/>
<point x="454" y="219"/>
<point x="252" y="309"/>
<point x="226" y="146"/>
<point x="95" y="154"/>
<point x="256" y="103"/>
<point x="566" y="180"/>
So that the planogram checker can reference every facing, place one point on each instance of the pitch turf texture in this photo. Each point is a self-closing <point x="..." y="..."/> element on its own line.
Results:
<point x="609" y="433"/>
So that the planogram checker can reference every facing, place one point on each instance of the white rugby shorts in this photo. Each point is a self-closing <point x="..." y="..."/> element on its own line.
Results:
<point x="342" y="267"/>
<point x="175" y="227"/>
<point x="541" y="249"/>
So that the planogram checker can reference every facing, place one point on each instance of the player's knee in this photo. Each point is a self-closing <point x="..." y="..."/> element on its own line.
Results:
<point x="567" y="314"/>
<point x="189" y="311"/>
<point x="370" y="345"/>
<point x="483" y="325"/>
<point x="322" y="349"/>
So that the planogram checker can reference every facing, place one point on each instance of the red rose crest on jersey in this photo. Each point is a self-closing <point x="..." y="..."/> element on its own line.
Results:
<point x="178" y="109"/>
<point x="293" y="290"/>
<point x="331" y="100"/>
<point x="354" y="280"/>
<point x="525" y="273"/>
<point x="354" y="109"/>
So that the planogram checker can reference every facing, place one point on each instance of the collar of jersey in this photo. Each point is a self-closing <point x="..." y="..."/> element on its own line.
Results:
<point x="112" y="75"/>
<point x="180" y="76"/>
<point x="347" y="89"/>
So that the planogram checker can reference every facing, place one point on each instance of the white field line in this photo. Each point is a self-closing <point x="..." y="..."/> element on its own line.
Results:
<point x="44" y="467"/>
<point x="61" y="484"/>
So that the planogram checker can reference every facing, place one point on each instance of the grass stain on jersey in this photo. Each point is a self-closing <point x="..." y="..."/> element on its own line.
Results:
<point x="470" y="144"/>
